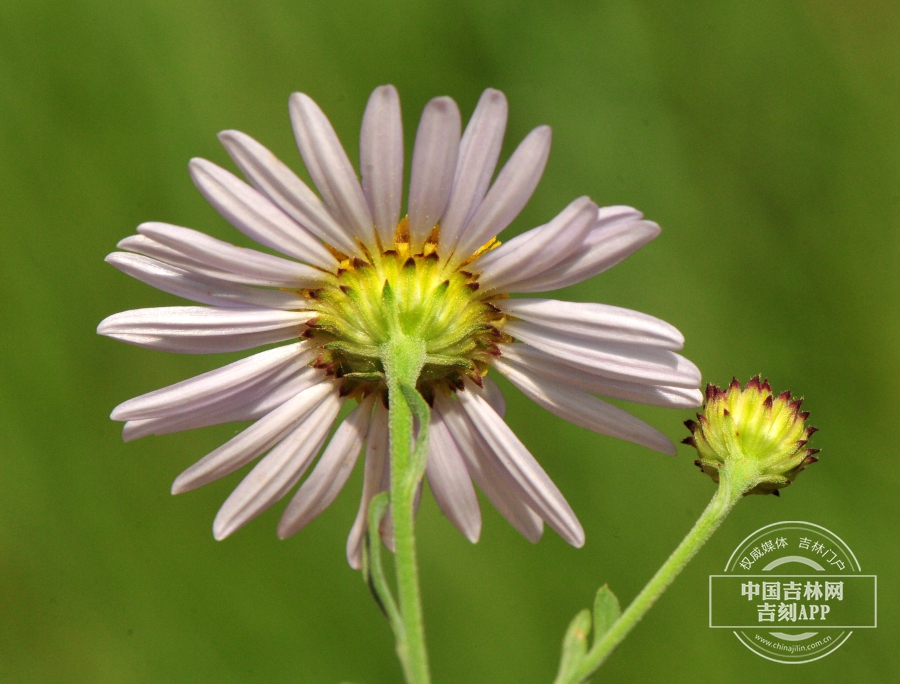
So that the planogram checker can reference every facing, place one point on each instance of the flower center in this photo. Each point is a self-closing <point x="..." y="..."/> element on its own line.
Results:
<point x="403" y="293"/>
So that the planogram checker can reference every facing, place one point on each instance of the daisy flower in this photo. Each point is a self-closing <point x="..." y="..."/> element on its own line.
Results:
<point x="341" y="254"/>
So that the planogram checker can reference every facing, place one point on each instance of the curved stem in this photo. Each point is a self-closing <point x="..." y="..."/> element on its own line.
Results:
<point x="403" y="358"/>
<point x="372" y="568"/>
<point x="731" y="488"/>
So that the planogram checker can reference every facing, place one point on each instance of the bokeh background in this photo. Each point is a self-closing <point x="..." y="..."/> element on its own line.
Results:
<point x="764" y="137"/>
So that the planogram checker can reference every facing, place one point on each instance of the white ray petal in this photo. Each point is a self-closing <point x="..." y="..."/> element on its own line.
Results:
<point x="141" y="244"/>
<point x="255" y="440"/>
<point x="274" y="179"/>
<point x="493" y="394"/>
<point x="197" y="392"/>
<point x="603" y="248"/>
<point x="479" y="151"/>
<point x="199" y="320"/>
<point x="145" y="246"/>
<point x="376" y="465"/>
<point x="557" y="254"/>
<point x="527" y="475"/>
<point x="538" y="249"/>
<point x="381" y="160"/>
<point x="203" y="345"/>
<point x="648" y="365"/>
<point x="535" y="361"/>
<point x="256" y="216"/>
<point x="490" y="478"/>
<point x="258" y="401"/>
<point x="508" y="195"/>
<point x="450" y="481"/>
<point x="608" y="216"/>
<point x="330" y="168"/>
<point x="221" y="256"/>
<point x="251" y="403"/>
<point x="585" y="410"/>
<point x="278" y="471"/>
<point x="386" y="529"/>
<point x="202" y="329"/>
<point x="200" y="288"/>
<point x="592" y="321"/>
<point x="330" y="473"/>
<point x="433" y="167"/>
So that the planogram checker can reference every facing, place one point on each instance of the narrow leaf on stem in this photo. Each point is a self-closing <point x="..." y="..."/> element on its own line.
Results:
<point x="606" y="611"/>
<point x="372" y="569"/>
<point x="575" y="644"/>
<point x="422" y="413"/>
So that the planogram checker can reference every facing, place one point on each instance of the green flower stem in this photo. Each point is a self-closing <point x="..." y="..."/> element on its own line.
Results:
<point x="403" y="358"/>
<point x="734" y="482"/>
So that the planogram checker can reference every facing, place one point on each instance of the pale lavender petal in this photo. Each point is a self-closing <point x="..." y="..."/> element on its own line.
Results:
<point x="386" y="529"/>
<point x="141" y="244"/>
<point x="381" y="161"/>
<point x="433" y="167"/>
<point x="509" y="194"/>
<point x="585" y="410"/>
<point x="256" y="402"/>
<point x="255" y="440"/>
<point x="450" y="481"/>
<point x="478" y="154"/>
<point x="603" y="248"/>
<point x="525" y="473"/>
<point x="222" y="257"/>
<point x="201" y="288"/>
<point x="203" y="330"/>
<point x="330" y="169"/>
<point x="256" y="216"/>
<point x="281" y="185"/>
<point x="376" y="465"/>
<point x="535" y="361"/>
<point x="198" y="392"/>
<point x="330" y="473"/>
<point x="203" y="345"/>
<point x="560" y="252"/>
<point x="493" y="394"/>
<point x="538" y="249"/>
<point x="279" y="471"/>
<point x="251" y="403"/>
<point x="145" y="246"/>
<point x="483" y="468"/>
<point x="647" y="365"/>
<point x="608" y="216"/>
<point x="600" y="322"/>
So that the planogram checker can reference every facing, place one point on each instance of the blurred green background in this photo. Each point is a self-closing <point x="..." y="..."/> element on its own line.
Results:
<point x="764" y="137"/>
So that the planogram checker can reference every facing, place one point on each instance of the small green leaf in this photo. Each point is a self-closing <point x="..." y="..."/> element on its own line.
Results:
<point x="606" y="611"/>
<point x="574" y="644"/>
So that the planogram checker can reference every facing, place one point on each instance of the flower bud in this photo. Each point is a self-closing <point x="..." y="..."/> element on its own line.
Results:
<point x="752" y="430"/>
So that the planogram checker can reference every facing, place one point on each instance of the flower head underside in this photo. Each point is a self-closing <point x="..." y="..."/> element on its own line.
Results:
<point x="351" y="272"/>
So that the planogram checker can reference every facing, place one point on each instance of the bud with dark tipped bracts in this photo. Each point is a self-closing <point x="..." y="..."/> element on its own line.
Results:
<point x="755" y="428"/>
